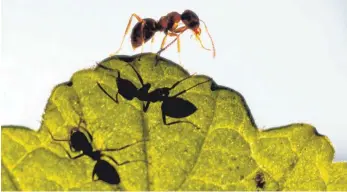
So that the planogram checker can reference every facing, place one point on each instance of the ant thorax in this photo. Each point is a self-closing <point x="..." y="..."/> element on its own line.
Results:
<point x="162" y="24"/>
<point x="173" y="19"/>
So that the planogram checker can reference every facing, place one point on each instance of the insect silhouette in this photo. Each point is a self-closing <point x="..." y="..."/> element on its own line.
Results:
<point x="81" y="142"/>
<point x="172" y="106"/>
<point x="259" y="180"/>
<point x="145" y="29"/>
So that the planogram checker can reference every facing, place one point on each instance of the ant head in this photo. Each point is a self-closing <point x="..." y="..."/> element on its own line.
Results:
<point x="79" y="141"/>
<point x="191" y="20"/>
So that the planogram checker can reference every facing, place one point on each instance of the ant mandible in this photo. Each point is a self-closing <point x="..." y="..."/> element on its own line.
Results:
<point x="81" y="142"/>
<point x="145" y="29"/>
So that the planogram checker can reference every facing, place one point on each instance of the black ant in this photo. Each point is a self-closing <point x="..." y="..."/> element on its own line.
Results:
<point x="145" y="29"/>
<point x="80" y="142"/>
<point x="259" y="180"/>
<point x="171" y="106"/>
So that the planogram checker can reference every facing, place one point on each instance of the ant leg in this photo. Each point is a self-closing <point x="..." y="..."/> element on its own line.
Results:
<point x="124" y="147"/>
<point x="137" y="74"/>
<point x="161" y="47"/>
<point x="145" y="107"/>
<point x="180" y="93"/>
<point x="103" y="90"/>
<point x="213" y="48"/>
<point x="175" y="122"/>
<point x="123" y="163"/>
<point x="55" y="139"/>
<point x="118" y="74"/>
<point x="117" y="97"/>
<point x="168" y="45"/>
<point x="152" y="41"/>
<point x="127" y="30"/>
<point x="76" y="157"/>
<point x="179" y="49"/>
<point x="142" y="38"/>
<point x="163" y="41"/>
<point x="179" y="30"/>
<point x="178" y="44"/>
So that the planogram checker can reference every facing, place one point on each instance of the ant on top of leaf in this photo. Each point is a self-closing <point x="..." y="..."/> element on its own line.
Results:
<point x="145" y="29"/>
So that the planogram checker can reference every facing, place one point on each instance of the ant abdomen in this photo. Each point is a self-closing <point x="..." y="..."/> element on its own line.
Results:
<point x="147" y="29"/>
<point x="106" y="172"/>
<point x="174" y="106"/>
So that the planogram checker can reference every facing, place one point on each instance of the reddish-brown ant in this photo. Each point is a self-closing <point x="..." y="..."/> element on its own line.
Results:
<point x="145" y="29"/>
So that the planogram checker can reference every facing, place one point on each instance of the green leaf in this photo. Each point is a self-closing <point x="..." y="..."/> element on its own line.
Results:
<point x="228" y="152"/>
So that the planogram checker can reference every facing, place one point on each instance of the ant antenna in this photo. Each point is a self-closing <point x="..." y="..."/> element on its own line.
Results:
<point x="114" y="71"/>
<point x="103" y="90"/>
<point x="214" y="49"/>
<point x="55" y="138"/>
<point x="180" y="81"/>
<point x="198" y="37"/>
<point x="180" y="93"/>
<point x="137" y="74"/>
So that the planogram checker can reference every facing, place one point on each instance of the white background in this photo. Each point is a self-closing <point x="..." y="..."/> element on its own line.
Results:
<point x="287" y="58"/>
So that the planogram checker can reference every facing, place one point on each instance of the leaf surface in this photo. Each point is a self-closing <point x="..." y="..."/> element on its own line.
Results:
<point x="228" y="152"/>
